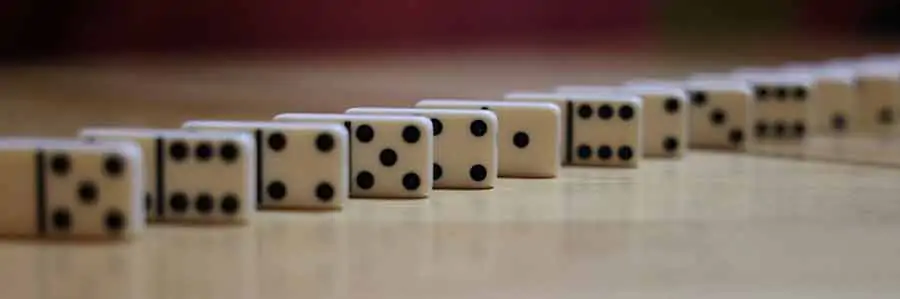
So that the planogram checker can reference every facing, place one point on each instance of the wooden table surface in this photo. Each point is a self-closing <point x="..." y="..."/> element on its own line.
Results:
<point x="818" y="220"/>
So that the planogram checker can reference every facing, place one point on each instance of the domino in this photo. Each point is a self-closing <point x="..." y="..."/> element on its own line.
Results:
<point x="58" y="188"/>
<point x="465" y="145"/>
<point x="780" y="104"/>
<point x="299" y="166"/>
<point x="664" y="118"/>
<point x="600" y="128"/>
<point x="193" y="177"/>
<point x="878" y="94"/>
<point x="833" y="102"/>
<point x="528" y="136"/>
<point x="391" y="156"/>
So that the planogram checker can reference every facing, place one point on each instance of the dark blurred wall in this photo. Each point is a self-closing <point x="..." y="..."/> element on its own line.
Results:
<point x="46" y="28"/>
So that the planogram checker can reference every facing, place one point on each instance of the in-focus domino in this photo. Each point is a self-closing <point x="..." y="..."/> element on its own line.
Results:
<point x="299" y="166"/>
<point x="465" y="144"/>
<point x="391" y="156"/>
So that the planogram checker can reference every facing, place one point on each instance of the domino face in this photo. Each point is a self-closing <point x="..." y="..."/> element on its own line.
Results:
<point x="390" y="156"/>
<point x="601" y="128"/>
<point x="202" y="177"/>
<point x="465" y="145"/>
<point x="780" y="105"/>
<point x="528" y="136"/>
<point x="719" y="114"/>
<point x="832" y="107"/>
<point x="878" y="95"/>
<point x="665" y="117"/>
<point x="300" y="166"/>
<point x="71" y="189"/>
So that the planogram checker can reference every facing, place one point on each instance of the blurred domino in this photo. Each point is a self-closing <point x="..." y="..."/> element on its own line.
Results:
<point x="833" y="105"/>
<point x="780" y="110"/>
<point x="472" y="168"/>
<point x="391" y="156"/>
<point x="303" y="166"/>
<point x="70" y="189"/>
<point x="203" y="177"/>
<point x="528" y="139"/>
<point x="599" y="128"/>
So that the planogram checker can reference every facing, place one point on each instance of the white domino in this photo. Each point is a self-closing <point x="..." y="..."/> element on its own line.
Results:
<point x="391" y="156"/>
<point x="665" y="116"/>
<point x="528" y="138"/>
<point x="472" y="168"/>
<point x="300" y="166"/>
<point x="600" y="128"/>
<point x="878" y="97"/>
<point x="62" y="188"/>
<point x="781" y="101"/>
<point x="833" y="105"/>
<point x="199" y="177"/>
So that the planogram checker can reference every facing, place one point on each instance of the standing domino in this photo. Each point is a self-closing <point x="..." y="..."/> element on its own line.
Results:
<point x="528" y="138"/>
<point x="665" y="116"/>
<point x="473" y="168"/>
<point x="390" y="156"/>
<point x="600" y="128"/>
<point x="193" y="176"/>
<point x="833" y="105"/>
<point x="780" y="103"/>
<point x="878" y="95"/>
<point x="70" y="189"/>
<point x="299" y="165"/>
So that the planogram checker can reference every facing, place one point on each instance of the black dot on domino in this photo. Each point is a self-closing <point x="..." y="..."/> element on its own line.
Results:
<point x="365" y="133"/>
<point x="324" y="192"/>
<point x="584" y="152"/>
<point x="781" y="93"/>
<point x="698" y="98"/>
<point x="276" y="190"/>
<point x="625" y="153"/>
<point x="437" y="126"/>
<point x="114" y="221"/>
<point x="324" y="142"/>
<point x="838" y="122"/>
<point x="178" y="201"/>
<point x="62" y="219"/>
<point x="604" y="152"/>
<point x="437" y="171"/>
<point x="277" y="141"/>
<point x="229" y="152"/>
<point x="626" y="113"/>
<point x="178" y="151"/>
<point x="605" y="112"/>
<point x="387" y="157"/>
<point x="585" y="111"/>
<point x="411" y="181"/>
<point x="672" y="105"/>
<point x="800" y="94"/>
<point x="230" y="204"/>
<point x="87" y="192"/>
<point x="736" y="137"/>
<point x="717" y="116"/>
<point x="203" y="151"/>
<point x="204" y="203"/>
<point x="478" y="172"/>
<point x="521" y="139"/>
<point x="761" y="128"/>
<point x="365" y="180"/>
<point x="60" y="164"/>
<point x="799" y="129"/>
<point x="670" y="144"/>
<point x="113" y="166"/>
<point x="478" y="128"/>
<point x="761" y="93"/>
<point x="886" y="116"/>
<point x="411" y="134"/>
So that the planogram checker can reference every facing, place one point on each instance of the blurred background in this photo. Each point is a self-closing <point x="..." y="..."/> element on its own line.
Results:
<point x="46" y="29"/>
